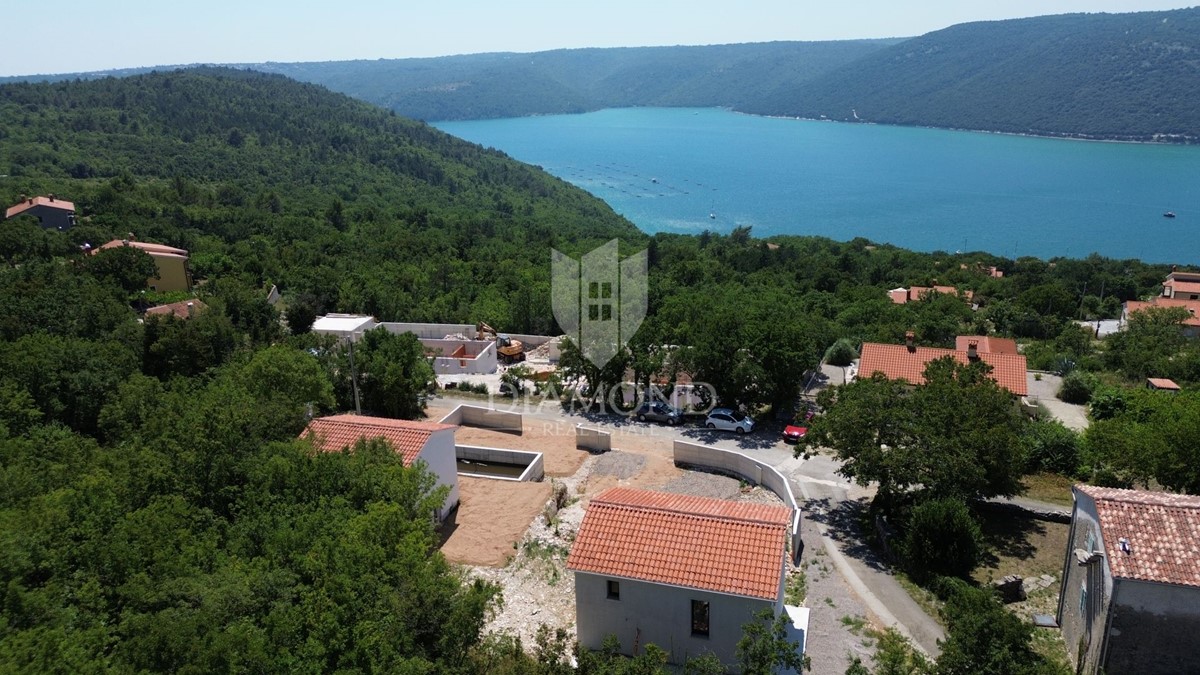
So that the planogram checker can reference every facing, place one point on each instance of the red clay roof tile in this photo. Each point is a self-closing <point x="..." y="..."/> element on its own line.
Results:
<point x="1162" y="530"/>
<point x="406" y="437"/>
<point x="987" y="344"/>
<point x="178" y="309"/>
<point x="897" y="362"/>
<point x="24" y="206"/>
<point x="1193" y="306"/>
<point x="153" y="249"/>
<point x="710" y="544"/>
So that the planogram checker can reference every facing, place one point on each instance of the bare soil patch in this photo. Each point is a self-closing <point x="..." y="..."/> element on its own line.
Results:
<point x="491" y="517"/>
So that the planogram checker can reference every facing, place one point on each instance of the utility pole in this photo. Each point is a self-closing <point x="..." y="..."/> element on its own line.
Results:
<point x="354" y="378"/>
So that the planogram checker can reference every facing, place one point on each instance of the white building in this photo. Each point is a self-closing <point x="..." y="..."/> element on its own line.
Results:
<point x="343" y="325"/>
<point x="429" y="442"/>
<point x="684" y="573"/>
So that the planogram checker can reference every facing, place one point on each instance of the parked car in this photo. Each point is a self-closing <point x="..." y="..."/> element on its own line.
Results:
<point x="659" y="412"/>
<point x="724" y="419"/>
<point x="793" y="433"/>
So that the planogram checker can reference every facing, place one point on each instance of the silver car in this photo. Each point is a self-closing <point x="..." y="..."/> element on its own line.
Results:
<point x="725" y="419"/>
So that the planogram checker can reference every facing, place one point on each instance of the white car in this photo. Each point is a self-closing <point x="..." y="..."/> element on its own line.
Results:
<point x="724" y="419"/>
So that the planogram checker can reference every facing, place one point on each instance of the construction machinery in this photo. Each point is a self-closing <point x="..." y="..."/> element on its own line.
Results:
<point x="508" y="350"/>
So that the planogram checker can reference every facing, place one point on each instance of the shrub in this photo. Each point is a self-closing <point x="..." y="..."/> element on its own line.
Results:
<point x="1050" y="446"/>
<point x="1077" y="387"/>
<point x="841" y="353"/>
<point x="942" y="539"/>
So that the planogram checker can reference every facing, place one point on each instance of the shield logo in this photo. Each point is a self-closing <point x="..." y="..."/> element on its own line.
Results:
<point x="599" y="300"/>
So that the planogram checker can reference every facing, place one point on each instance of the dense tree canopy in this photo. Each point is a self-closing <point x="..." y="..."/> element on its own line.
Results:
<point x="957" y="436"/>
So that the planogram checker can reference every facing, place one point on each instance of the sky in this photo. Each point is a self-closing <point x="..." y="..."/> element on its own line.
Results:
<point x="90" y="35"/>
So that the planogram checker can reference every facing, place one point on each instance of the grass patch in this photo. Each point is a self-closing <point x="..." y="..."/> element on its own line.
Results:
<point x="922" y="596"/>
<point x="1021" y="545"/>
<point x="795" y="590"/>
<point x="856" y="624"/>
<point x="1051" y="488"/>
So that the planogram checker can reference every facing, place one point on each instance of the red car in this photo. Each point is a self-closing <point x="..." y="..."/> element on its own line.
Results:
<point x="793" y="433"/>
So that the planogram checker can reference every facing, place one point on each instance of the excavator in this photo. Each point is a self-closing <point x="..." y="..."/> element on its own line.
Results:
<point x="508" y="349"/>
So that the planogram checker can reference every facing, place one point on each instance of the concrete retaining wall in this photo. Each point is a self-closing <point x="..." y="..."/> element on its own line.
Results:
<point x="592" y="440"/>
<point x="484" y="418"/>
<point x="430" y="331"/>
<point x="744" y="467"/>
<point x="535" y="468"/>
<point x="479" y="359"/>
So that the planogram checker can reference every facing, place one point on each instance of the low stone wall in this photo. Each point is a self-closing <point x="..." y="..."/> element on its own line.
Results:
<point x="592" y="440"/>
<point x="484" y="418"/>
<point x="535" y="468"/>
<point x="746" y="468"/>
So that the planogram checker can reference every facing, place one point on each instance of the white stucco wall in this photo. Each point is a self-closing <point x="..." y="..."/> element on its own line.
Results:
<point x="438" y="455"/>
<point x="662" y="615"/>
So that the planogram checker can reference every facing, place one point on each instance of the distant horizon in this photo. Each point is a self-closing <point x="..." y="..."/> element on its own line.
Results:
<point x="162" y="35"/>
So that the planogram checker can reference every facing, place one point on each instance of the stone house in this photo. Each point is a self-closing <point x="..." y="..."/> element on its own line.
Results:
<point x="1130" y="599"/>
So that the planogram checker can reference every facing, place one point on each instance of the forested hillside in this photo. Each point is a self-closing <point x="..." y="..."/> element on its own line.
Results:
<point x="1111" y="76"/>
<point x="577" y="80"/>
<point x="1123" y="76"/>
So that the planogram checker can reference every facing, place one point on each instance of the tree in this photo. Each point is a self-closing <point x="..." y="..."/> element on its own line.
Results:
<point x="1151" y="337"/>
<point x="956" y="436"/>
<point x="765" y="648"/>
<point x="941" y="538"/>
<point x="290" y="374"/>
<point x="393" y="374"/>
<point x="173" y="346"/>
<point x="841" y="353"/>
<point x="126" y="267"/>
<point x="301" y="314"/>
<point x="984" y="638"/>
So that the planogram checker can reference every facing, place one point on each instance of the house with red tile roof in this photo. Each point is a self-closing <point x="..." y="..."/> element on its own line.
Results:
<point x="1130" y="597"/>
<point x="901" y="296"/>
<point x="907" y="362"/>
<point x="684" y="573"/>
<point x="171" y="263"/>
<point x="184" y="309"/>
<point x="428" y="442"/>
<point x="1182" y="285"/>
<point x="986" y="344"/>
<point x="51" y="212"/>
<point x="1191" y="324"/>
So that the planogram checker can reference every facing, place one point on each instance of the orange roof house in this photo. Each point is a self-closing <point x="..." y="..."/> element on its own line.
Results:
<point x="184" y="309"/>
<point x="50" y="211"/>
<point x="1130" y="597"/>
<point x="1182" y="285"/>
<point x="986" y="344"/>
<point x="901" y="296"/>
<point x="1191" y="324"/>
<point x="430" y="442"/>
<point x="171" y="263"/>
<point x="907" y="362"/>
<point x="678" y="571"/>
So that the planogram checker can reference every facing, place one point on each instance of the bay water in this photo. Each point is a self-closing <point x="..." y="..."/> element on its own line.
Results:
<point x="689" y="170"/>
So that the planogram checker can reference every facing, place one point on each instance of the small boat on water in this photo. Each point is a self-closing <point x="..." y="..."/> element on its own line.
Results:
<point x="1169" y="214"/>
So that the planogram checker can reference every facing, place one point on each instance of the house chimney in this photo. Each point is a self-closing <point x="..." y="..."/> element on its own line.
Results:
<point x="191" y="309"/>
<point x="24" y="197"/>
<point x="910" y="341"/>
<point x="129" y="236"/>
<point x="973" y="350"/>
<point x="51" y="196"/>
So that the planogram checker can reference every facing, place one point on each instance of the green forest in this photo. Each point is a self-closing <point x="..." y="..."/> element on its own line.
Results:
<point x="1129" y="76"/>
<point x="157" y="512"/>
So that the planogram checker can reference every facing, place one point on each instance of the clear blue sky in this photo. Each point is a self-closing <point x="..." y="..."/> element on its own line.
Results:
<point x="84" y="35"/>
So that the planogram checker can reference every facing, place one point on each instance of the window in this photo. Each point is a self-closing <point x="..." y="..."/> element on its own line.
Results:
<point x="700" y="618"/>
<point x="614" y="590"/>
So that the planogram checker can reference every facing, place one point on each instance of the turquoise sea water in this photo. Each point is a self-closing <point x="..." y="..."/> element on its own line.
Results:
<point x="670" y="169"/>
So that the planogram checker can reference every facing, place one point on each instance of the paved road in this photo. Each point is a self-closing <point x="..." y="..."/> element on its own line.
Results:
<point x="1044" y="388"/>
<point x="831" y="506"/>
